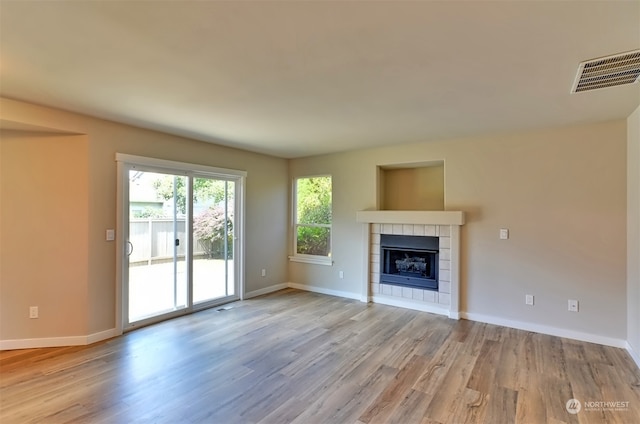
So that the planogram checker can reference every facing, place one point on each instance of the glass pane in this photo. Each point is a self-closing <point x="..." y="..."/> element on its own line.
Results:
<point x="158" y="240"/>
<point x="313" y="241"/>
<point x="213" y="230"/>
<point x="313" y="197"/>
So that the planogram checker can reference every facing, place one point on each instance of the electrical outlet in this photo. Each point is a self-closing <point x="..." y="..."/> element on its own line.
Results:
<point x="573" y="305"/>
<point x="504" y="233"/>
<point x="264" y="272"/>
<point x="33" y="312"/>
<point x="528" y="299"/>
<point x="341" y="274"/>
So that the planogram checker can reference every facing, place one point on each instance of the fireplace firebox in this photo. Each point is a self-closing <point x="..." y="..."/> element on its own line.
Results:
<point x="409" y="261"/>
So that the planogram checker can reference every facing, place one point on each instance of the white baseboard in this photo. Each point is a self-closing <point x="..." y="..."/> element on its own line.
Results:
<point x="315" y="289"/>
<point x="265" y="290"/>
<point x="634" y="355"/>
<point x="58" y="341"/>
<point x="385" y="300"/>
<point x="545" y="329"/>
<point x="410" y="304"/>
<point x="43" y="342"/>
<point x="103" y="335"/>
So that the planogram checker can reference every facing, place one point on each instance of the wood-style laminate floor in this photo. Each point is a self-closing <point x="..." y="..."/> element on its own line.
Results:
<point x="302" y="357"/>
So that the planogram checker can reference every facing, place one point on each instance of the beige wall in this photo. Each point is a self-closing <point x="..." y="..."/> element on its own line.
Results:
<point x="633" y="232"/>
<point x="412" y="189"/>
<point x="43" y="235"/>
<point x="266" y="206"/>
<point x="562" y="194"/>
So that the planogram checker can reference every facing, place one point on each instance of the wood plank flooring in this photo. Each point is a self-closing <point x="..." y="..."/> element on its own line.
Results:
<point x="299" y="357"/>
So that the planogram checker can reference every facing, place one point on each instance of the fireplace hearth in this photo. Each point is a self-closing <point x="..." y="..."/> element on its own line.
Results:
<point x="409" y="261"/>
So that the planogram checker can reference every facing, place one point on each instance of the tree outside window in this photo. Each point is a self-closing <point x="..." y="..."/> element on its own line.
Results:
<point x="212" y="222"/>
<point x="313" y="216"/>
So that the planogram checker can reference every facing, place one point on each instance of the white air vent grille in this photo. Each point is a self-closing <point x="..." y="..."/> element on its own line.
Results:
<point x="619" y="69"/>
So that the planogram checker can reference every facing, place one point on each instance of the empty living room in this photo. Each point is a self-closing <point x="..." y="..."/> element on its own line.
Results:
<point x="320" y="212"/>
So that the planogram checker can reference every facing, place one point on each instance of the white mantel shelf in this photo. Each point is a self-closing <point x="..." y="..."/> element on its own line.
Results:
<point x="411" y="217"/>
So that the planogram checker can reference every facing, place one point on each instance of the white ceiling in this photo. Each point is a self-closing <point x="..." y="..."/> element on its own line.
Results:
<point x="303" y="78"/>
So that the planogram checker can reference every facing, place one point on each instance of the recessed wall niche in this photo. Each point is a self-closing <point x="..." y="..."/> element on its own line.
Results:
<point x="412" y="187"/>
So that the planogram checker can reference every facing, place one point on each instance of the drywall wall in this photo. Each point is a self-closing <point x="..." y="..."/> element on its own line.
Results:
<point x="633" y="233"/>
<point x="266" y="198"/>
<point x="562" y="194"/>
<point x="412" y="189"/>
<point x="43" y="235"/>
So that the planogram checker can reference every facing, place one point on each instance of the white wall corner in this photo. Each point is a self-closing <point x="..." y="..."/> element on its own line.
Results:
<point x="454" y="315"/>
<point x="634" y="355"/>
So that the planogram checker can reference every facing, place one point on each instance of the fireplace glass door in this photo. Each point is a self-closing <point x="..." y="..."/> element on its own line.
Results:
<point x="409" y="261"/>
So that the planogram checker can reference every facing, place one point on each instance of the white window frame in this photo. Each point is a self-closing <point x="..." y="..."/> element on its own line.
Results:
<point x="300" y="257"/>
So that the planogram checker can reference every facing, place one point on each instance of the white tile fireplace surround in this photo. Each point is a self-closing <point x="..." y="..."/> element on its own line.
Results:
<point x="442" y="224"/>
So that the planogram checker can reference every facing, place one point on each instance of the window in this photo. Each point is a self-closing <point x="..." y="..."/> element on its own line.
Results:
<point x="312" y="241"/>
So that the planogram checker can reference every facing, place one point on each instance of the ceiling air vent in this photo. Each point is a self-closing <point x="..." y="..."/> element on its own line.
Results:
<point x="619" y="69"/>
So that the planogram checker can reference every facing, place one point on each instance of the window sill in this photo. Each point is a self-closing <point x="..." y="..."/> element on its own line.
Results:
<point x="317" y="260"/>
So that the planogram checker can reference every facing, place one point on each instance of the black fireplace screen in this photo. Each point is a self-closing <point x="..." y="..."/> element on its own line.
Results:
<point x="409" y="261"/>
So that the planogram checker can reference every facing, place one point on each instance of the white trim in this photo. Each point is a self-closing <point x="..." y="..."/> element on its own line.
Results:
<point x="545" y="329"/>
<point x="43" y="342"/>
<point x="454" y="264"/>
<point x="240" y="244"/>
<point x="305" y="258"/>
<point x="103" y="335"/>
<point x="58" y="341"/>
<point x="366" y="263"/>
<point x="410" y="304"/>
<point x="411" y="217"/>
<point x="266" y="290"/>
<point x="316" y="260"/>
<point x="634" y="355"/>
<point x="330" y="292"/>
<point x="174" y="165"/>
<point x="122" y="219"/>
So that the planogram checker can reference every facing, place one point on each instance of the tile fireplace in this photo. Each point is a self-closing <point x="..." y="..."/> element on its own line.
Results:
<point x="435" y="261"/>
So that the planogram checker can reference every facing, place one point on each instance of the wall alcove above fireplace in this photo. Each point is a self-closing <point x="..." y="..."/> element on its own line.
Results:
<point x="414" y="186"/>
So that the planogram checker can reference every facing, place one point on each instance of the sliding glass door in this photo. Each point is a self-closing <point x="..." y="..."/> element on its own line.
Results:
<point x="157" y="245"/>
<point x="180" y="239"/>
<point x="214" y="236"/>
